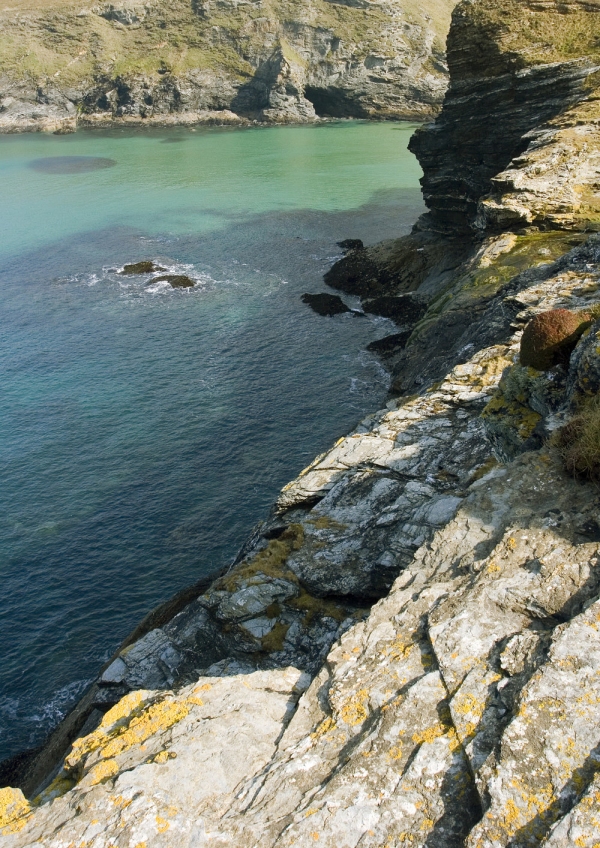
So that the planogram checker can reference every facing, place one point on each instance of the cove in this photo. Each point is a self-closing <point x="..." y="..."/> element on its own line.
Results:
<point x="144" y="430"/>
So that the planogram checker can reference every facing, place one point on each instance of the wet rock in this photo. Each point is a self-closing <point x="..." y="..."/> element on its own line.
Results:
<point x="357" y="274"/>
<point x="325" y="304"/>
<point x="176" y="281"/>
<point x="389" y="345"/>
<point x="348" y="245"/>
<point x="146" y="266"/>
<point x="403" y="309"/>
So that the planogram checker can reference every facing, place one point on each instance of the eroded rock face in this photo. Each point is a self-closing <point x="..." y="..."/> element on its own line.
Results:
<point x="221" y="62"/>
<point x="531" y="139"/>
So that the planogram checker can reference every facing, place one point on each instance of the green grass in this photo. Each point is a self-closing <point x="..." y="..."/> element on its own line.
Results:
<point x="43" y="40"/>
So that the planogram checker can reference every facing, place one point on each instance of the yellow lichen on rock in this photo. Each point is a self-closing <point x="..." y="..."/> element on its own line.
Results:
<point x="156" y="718"/>
<point x="102" y="772"/>
<point x="429" y="735"/>
<point x="114" y="720"/>
<point x="122" y="710"/>
<point x="324" y="727"/>
<point x="355" y="710"/>
<point x="14" y="810"/>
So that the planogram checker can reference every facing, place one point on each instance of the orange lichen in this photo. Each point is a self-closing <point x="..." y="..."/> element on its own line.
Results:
<point x="15" y="809"/>
<point x="102" y="772"/>
<point x="429" y="735"/>
<point x="154" y="719"/>
<point x="324" y="727"/>
<point x="162" y="825"/>
<point x="354" y="711"/>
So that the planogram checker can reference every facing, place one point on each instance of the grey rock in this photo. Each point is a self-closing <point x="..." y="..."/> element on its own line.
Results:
<point x="584" y="370"/>
<point x="251" y="600"/>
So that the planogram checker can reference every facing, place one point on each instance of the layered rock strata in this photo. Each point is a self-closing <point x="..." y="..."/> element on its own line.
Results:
<point x="276" y="61"/>
<point x="407" y="651"/>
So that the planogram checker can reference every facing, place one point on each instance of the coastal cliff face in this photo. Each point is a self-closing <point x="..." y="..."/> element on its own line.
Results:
<point x="219" y="61"/>
<point x="407" y="651"/>
<point x="521" y="73"/>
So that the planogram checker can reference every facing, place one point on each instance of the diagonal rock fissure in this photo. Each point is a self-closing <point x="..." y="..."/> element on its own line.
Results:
<point x="537" y="829"/>
<point x="451" y="829"/>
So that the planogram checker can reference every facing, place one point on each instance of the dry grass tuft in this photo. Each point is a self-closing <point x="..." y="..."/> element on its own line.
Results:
<point x="579" y="441"/>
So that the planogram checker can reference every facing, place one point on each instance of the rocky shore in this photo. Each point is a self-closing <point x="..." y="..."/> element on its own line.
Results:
<point x="65" y="64"/>
<point x="407" y="651"/>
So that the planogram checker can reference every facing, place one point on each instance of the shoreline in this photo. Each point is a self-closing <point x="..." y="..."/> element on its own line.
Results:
<point x="224" y="118"/>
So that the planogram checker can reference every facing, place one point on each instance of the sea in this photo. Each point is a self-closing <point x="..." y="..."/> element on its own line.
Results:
<point x="144" y="430"/>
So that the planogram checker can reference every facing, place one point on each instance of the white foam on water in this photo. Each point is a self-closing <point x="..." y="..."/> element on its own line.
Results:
<point x="50" y="713"/>
<point x="41" y="718"/>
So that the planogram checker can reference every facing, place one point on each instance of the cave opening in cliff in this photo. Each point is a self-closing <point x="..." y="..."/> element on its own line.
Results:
<point x="334" y="103"/>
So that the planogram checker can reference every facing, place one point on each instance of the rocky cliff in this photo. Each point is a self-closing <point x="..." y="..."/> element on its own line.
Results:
<point x="407" y="652"/>
<point x="219" y="61"/>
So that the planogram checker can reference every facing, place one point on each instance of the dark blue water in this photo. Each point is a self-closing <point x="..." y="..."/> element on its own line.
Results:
<point x="145" y="430"/>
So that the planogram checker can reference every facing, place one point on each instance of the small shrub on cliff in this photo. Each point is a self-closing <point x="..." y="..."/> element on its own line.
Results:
<point x="579" y="441"/>
<point x="550" y="337"/>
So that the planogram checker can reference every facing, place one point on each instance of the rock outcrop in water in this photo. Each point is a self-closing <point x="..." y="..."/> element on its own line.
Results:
<point x="407" y="652"/>
<point x="219" y="61"/>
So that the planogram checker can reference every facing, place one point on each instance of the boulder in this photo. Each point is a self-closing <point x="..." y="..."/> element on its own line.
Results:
<point x="350" y="244"/>
<point x="584" y="371"/>
<point x="357" y="274"/>
<point x="550" y="338"/>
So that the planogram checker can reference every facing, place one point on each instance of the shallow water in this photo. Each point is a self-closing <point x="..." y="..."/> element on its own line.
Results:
<point x="144" y="430"/>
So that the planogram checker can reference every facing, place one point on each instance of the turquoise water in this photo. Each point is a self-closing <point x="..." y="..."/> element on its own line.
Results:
<point x="145" y="430"/>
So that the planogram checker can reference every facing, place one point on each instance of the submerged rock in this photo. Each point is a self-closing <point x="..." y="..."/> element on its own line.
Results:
<point x="70" y="164"/>
<point x="325" y="304"/>
<point x="176" y="281"/>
